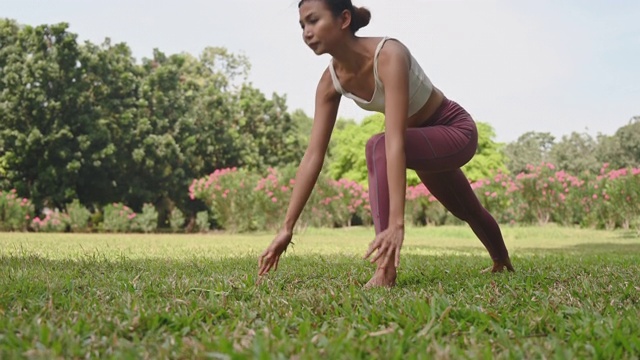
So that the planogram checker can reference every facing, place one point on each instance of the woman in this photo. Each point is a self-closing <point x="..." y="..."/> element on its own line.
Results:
<point x="424" y="131"/>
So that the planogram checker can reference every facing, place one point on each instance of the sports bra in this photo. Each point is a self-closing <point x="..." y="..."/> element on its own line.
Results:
<point x="420" y="87"/>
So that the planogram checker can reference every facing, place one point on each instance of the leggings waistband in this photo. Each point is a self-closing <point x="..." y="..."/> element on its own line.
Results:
<point x="446" y="113"/>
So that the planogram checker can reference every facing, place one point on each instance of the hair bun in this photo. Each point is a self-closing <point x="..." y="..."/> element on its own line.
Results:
<point x="360" y="17"/>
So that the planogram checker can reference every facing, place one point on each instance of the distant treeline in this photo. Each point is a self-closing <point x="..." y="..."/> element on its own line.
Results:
<point x="87" y="122"/>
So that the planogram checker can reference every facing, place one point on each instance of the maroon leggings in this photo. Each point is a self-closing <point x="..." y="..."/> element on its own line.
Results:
<point x="436" y="151"/>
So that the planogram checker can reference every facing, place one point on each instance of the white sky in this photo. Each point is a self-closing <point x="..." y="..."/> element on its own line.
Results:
<point x="535" y="65"/>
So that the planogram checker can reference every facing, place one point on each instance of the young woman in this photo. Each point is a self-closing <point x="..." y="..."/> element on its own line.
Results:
<point x="424" y="131"/>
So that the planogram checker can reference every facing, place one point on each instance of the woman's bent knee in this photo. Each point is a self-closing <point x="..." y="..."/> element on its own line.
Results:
<point x="374" y="145"/>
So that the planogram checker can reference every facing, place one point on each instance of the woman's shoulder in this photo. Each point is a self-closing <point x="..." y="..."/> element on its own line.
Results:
<point x="391" y="47"/>
<point x="326" y="87"/>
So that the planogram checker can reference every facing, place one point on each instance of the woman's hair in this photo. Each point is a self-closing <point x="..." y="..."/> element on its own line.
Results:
<point x="360" y="16"/>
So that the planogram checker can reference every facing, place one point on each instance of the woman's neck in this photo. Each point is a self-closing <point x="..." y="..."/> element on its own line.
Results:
<point x="352" y="55"/>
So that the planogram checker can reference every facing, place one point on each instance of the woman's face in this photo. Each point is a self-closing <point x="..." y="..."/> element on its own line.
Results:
<point x="320" y="29"/>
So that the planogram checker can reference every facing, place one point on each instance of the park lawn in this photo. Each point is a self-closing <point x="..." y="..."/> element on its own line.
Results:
<point x="576" y="294"/>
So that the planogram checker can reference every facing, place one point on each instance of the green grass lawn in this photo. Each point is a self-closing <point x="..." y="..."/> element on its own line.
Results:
<point x="576" y="294"/>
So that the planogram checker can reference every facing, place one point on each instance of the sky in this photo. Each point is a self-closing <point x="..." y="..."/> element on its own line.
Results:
<point x="555" y="66"/>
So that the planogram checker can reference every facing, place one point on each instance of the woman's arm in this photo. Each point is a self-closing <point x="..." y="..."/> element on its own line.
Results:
<point x="326" y="111"/>
<point x="327" y="102"/>
<point x="393" y="70"/>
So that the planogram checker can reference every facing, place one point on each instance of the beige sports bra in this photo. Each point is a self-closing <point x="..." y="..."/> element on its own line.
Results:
<point x="420" y="87"/>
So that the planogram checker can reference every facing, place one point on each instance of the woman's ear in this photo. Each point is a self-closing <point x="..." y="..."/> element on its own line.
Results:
<point x="345" y="19"/>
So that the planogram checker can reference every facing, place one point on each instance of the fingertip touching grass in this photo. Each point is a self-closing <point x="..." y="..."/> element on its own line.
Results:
<point x="575" y="294"/>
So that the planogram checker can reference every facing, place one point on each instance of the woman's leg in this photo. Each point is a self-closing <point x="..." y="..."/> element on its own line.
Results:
<point x="453" y="190"/>
<point x="437" y="153"/>
<point x="430" y="149"/>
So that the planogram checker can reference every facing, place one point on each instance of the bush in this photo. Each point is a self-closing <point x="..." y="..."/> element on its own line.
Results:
<point x="53" y="221"/>
<point x="230" y="194"/>
<point x="118" y="218"/>
<point x="147" y="220"/>
<point x="176" y="219"/>
<point x="15" y="213"/>
<point x="243" y="201"/>
<point x="202" y="221"/>
<point x="78" y="216"/>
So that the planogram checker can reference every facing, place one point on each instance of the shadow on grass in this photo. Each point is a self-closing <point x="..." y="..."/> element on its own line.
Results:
<point x="590" y="249"/>
<point x="29" y="275"/>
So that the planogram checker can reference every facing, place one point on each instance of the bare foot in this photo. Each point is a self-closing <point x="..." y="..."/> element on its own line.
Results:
<point x="500" y="266"/>
<point x="383" y="278"/>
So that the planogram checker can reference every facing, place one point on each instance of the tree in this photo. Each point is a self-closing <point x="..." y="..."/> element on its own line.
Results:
<point x="629" y="140"/>
<point x="489" y="157"/>
<point x="87" y="122"/>
<point x="575" y="154"/>
<point x="43" y="103"/>
<point x="608" y="151"/>
<point x="347" y="157"/>
<point x="303" y="123"/>
<point x="531" y="148"/>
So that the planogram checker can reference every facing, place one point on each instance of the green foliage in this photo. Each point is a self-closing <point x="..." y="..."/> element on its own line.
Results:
<point x="147" y="220"/>
<point x="87" y="122"/>
<point x="78" y="216"/>
<point x="15" y="212"/>
<point x="202" y="221"/>
<point x="530" y="148"/>
<point x="176" y="219"/>
<point x="575" y="154"/>
<point x="118" y="218"/>
<point x="347" y="149"/>
<point x="489" y="158"/>
<point x="621" y="150"/>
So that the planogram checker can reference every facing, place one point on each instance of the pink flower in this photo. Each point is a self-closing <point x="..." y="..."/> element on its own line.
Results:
<point x="273" y="199"/>
<point x="595" y="196"/>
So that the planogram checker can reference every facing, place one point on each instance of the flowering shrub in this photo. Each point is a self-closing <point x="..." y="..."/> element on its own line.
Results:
<point x="118" y="218"/>
<point x="243" y="201"/>
<point x="53" y="221"/>
<point x="230" y="194"/>
<point x="615" y="198"/>
<point x="239" y="200"/>
<point x="421" y="208"/>
<point x="350" y="200"/>
<point x="270" y="199"/>
<point x="15" y="212"/>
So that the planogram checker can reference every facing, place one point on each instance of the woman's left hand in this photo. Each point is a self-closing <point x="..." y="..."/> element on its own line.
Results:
<point x="388" y="243"/>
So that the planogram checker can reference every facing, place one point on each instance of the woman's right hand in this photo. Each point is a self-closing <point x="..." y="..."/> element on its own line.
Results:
<point x="271" y="256"/>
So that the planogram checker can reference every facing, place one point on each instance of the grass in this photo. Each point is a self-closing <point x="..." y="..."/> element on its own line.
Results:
<point x="575" y="295"/>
